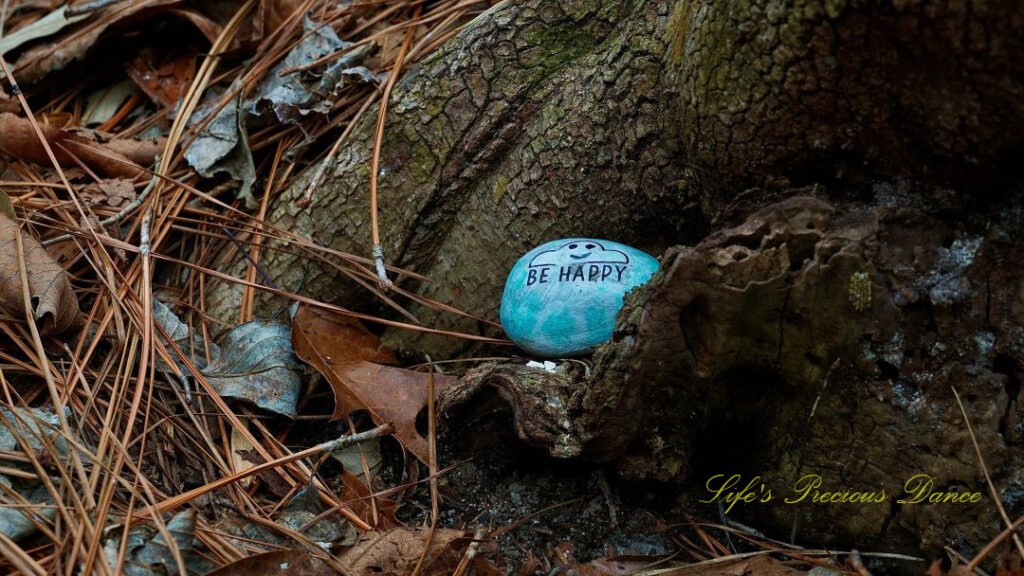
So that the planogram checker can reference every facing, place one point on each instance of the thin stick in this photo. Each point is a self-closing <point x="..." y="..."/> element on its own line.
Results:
<point x="321" y="171"/>
<point x="988" y="479"/>
<point x="331" y="446"/>
<point x="378" y="138"/>
<point x="116" y="217"/>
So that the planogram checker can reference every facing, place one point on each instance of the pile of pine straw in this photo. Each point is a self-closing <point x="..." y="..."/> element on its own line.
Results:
<point x="138" y="440"/>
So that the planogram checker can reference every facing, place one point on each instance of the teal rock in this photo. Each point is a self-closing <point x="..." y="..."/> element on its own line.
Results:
<point x="561" y="298"/>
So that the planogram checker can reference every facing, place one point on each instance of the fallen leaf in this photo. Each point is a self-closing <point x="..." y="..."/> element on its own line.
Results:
<point x="273" y="13"/>
<point x="147" y="553"/>
<point x="333" y="346"/>
<point x="241" y="447"/>
<point x="7" y="103"/>
<point x="223" y="147"/>
<point x="141" y="152"/>
<point x="284" y="562"/>
<point x="46" y="26"/>
<point x="21" y="141"/>
<point x="111" y="192"/>
<point x="38" y="61"/>
<point x="102" y="104"/>
<point x="256" y="364"/>
<point x="191" y="345"/>
<point x="291" y="94"/>
<point x="397" y="551"/>
<point x="616" y="565"/>
<point x="56" y="307"/>
<point x="164" y="79"/>
<point x="29" y="425"/>
<point x="352" y="456"/>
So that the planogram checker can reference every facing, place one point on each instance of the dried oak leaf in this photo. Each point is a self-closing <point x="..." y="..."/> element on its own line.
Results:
<point x="284" y="562"/>
<point x="396" y="552"/>
<point x="21" y="141"/>
<point x="73" y="44"/>
<point x="348" y="355"/>
<point x="54" y="301"/>
<point x="110" y="193"/>
<point x="164" y="79"/>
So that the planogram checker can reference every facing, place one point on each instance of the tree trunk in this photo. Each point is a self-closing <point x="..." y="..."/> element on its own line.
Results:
<point x="656" y="123"/>
<point x="639" y="120"/>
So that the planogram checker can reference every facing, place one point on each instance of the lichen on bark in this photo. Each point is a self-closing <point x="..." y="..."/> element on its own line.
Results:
<point x="540" y="120"/>
<point x="656" y="124"/>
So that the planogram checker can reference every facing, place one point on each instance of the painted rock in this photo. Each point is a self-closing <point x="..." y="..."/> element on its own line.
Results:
<point x="561" y="298"/>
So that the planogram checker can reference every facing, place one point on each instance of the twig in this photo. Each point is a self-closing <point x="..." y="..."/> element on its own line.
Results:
<point x="988" y="479"/>
<point x="116" y="217"/>
<point x="378" y="253"/>
<point x="857" y="563"/>
<point x="144" y="241"/>
<point x="470" y="554"/>
<point x="328" y="161"/>
<point x="331" y="446"/>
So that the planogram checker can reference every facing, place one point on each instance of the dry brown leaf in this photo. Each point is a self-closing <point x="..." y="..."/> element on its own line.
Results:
<point x="113" y="193"/>
<point x="37" y="62"/>
<point x="165" y="79"/>
<point x="357" y="496"/>
<point x="397" y="551"/>
<point x="240" y="448"/>
<point x="347" y="355"/>
<point x="21" y="141"/>
<point x="56" y="307"/>
<point x="283" y="562"/>
<point x="8" y="104"/>
<point x="141" y="152"/>
<point x="273" y="13"/>
<point x="615" y="565"/>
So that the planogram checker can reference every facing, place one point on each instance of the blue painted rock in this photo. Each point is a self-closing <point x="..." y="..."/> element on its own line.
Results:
<point x="561" y="298"/>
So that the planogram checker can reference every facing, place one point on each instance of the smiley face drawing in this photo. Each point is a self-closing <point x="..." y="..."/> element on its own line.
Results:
<point x="579" y="251"/>
<point x="562" y="297"/>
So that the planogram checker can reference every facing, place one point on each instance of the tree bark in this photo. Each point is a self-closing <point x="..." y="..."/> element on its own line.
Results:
<point x="640" y="120"/>
<point x="656" y="124"/>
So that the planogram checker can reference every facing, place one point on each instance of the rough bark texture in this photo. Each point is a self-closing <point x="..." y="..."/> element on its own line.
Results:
<point x="815" y="339"/>
<point x="539" y="121"/>
<point x="813" y="90"/>
<point x="643" y="121"/>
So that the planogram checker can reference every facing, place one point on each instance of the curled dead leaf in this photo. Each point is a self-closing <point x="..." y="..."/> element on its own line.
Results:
<point x="54" y="301"/>
<point x="43" y="58"/>
<point x="21" y="141"/>
<point x="256" y="364"/>
<point x="347" y="354"/>
<point x="397" y="551"/>
<point x="164" y="79"/>
<point x="290" y="562"/>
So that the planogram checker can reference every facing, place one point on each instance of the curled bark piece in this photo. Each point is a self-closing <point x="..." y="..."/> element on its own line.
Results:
<point x="537" y="398"/>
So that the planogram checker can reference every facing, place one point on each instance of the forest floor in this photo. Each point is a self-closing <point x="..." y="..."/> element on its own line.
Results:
<point x="140" y="144"/>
